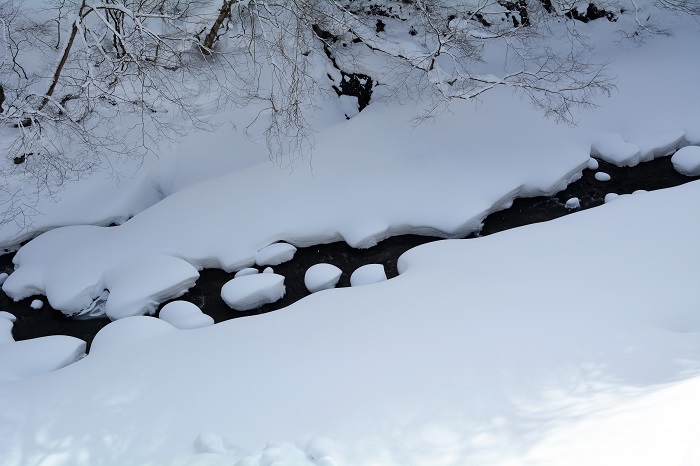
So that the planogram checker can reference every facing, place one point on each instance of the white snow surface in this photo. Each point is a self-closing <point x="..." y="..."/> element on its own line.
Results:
<point x="320" y="277"/>
<point x="275" y="254"/>
<point x="687" y="161"/>
<point x="480" y="352"/>
<point x="184" y="315"/>
<point x="602" y="176"/>
<point x="6" y="330"/>
<point x="252" y="291"/>
<point x="463" y="154"/>
<point x="368" y="274"/>
<point x="28" y="358"/>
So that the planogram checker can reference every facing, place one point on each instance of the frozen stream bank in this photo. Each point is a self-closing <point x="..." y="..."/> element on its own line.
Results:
<point x="589" y="191"/>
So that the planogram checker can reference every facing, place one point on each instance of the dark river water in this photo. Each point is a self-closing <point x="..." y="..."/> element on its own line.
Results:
<point x="657" y="174"/>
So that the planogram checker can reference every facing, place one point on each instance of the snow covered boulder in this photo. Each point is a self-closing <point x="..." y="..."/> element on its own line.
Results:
<point x="137" y="287"/>
<point x="367" y="274"/>
<point x="275" y="254"/>
<point x="252" y="291"/>
<point x="687" y="161"/>
<point x="321" y="277"/>
<point x="27" y="358"/>
<point x="573" y="203"/>
<point x="246" y="271"/>
<point x="37" y="304"/>
<point x="127" y="332"/>
<point x="185" y="315"/>
<point x="3" y="277"/>
<point x="602" y="176"/>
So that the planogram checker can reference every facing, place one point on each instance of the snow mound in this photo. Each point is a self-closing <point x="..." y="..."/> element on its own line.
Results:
<point x="268" y="270"/>
<point x="275" y="254"/>
<point x="602" y="176"/>
<point x="127" y="332"/>
<point x="573" y="203"/>
<point x="37" y="304"/>
<point x="367" y="274"/>
<point x="184" y="315"/>
<point x="27" y="358"/>
<point x="614" y="149"/>
<point x="592" y="164"/>
<point x="252" y="291"/>
<point x="3" y="277"/>
<point x="687" y="161"/>
<point x="321" y="277"/>
<point x="610" y="196"/>
<point x="6" y="331"/>
<point x="246" y="271"/>
<point x="138" y="286"/>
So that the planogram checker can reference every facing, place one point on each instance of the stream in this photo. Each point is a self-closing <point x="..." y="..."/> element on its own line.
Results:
<point x="652" y="175"/>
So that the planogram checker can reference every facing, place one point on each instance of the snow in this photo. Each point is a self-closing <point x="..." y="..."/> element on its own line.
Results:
<point x="540" y="345"/>
<point x="602" y="176"/>
<point x="610" y="196"/>
<point x="246" y="271"/>
<point x="3" y="277"/>
<point x="321" y="277"/>
<point x="478" y="353"/>
<point x="184" y="315"/>
<point x="28" y="358"/>
<point x="6" y="325"/>
<point x="275" y="254"/>
<point x="367" y="274"/>
<point x="36" y="304"/>
<point x="128" y="332"/>
<point x="268" y="270"/>
<point x="252" y="291"/>
<point x="7" y="316"/>
<point x="136" y="288"/>
<point x="573" y="203"/>
<point x="687" y="161"/>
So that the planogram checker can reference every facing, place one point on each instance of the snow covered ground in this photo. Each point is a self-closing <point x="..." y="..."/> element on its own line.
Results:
<point x="571" y="342"/>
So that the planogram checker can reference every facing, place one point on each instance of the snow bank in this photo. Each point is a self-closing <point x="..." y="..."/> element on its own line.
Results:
<point x="368" y="274"/>
<point x="687" y="161"/>
<point x="321" y="277"/>
<point x="184" y="315"/>
<point x="482" y="351"/>
<point x="252" y="291"/>
<point x="28" y="358"/>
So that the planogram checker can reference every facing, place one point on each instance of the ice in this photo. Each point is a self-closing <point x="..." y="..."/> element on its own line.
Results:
<point x="592" y="164"/>
<point x="128" y="332"/>
<point x="27" y="358"/>
<point x="252" y="291"/>
<point x="602" y="176"/>
<point x="686" y="161"/>
<point x="367" y="274"/>
<point x="573" y="203"/>
<point x="246" y="271"/>
<point x="275" y="254"/>
<point x="321" y="277"/>
<point x="37" y="304"/>
<point x="184" y="315"/>
<point x="137" y="287"/>
<point x="610" y="196"/>
<point x="3" y="277"/>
